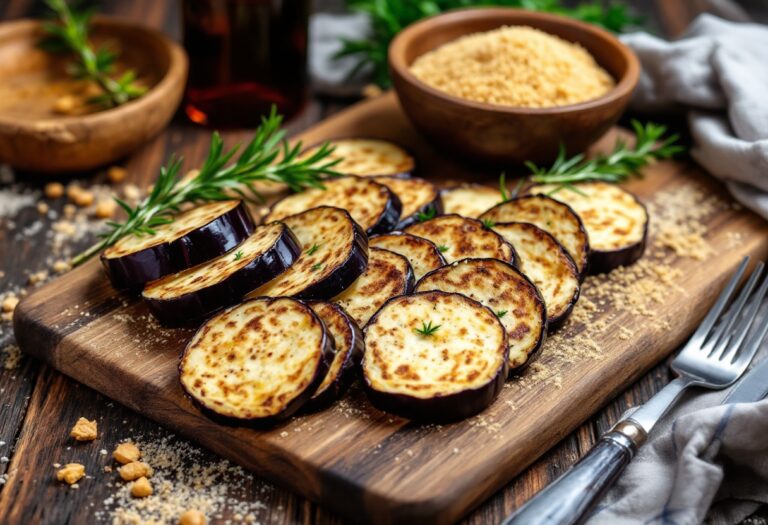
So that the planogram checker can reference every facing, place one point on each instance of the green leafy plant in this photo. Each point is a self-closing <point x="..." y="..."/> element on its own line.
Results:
<point x="650" y="144"/>
<point x="317" y="267"/>
<point x="313" y="249"/>
<point x="443" y="248"/>
<point x="427" y="329"/>
<point x="429" y="213"/>
<point x="488" y="223"/>
<point x="501" y="313"/>
<point x="238" y="255"/>
<point x="389" y="17"/>
<point x="267" y="157"/>
<point x="69" y="33"/>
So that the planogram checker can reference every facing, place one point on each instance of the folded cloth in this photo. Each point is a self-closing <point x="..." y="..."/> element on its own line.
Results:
<point x="718" y="72"/>
<point x="703" y="453"/>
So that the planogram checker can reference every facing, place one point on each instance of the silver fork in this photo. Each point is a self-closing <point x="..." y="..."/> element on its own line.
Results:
<point x="716" y="355"/>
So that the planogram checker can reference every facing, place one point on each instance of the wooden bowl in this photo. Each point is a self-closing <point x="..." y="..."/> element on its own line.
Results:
<point x="34" y="137"/>
<point x="506" y="134"/>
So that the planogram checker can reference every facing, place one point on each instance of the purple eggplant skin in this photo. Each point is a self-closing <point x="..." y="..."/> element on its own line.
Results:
<point x="390" y="216"/>
<point x="344" y="275"/>
<point x="440" y="409"/>
<point x="293" y="406"/>
<point x="131" y="272"/>
<point x="191" y="309"/>
<point x="605" y="261"/>
<point x="436" y="205"/>
<point x="349" y="370"/>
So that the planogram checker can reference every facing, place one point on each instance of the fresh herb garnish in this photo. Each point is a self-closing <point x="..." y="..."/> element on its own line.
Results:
<point x="427" y="329"/>
<point x="429" y="213"/>
<point x="388" y="17"/>
<point x="488" y="223"/>
<point x="70" y="34"/>
<point x="616" y="166"/>
<point x="313" y="249"/>
<point x="501" y="313"/>
<point x="268" y="156"/>
<point x="238" y="256"/>
<point x="443" y="248"/>
<point x="505" y="194"/>
<point x="316" y="267"/>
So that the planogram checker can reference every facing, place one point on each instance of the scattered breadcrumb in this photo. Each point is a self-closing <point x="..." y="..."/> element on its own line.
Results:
<point x="84" y="430"/>
<point x="141" y="488"/>
<point x="192" y="517"/>
<point x="71" y="473"/>
<point x="184" y="479"/>
<point x="53" y="190"/>
<point x="116" y="174"/>
<point x="9" y="302"/>
<point x="134" y="470"/>
<point x="126" y="453"/>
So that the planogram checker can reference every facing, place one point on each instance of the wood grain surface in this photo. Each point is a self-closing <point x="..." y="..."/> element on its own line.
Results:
<point x="38" y="405"/>
<point x="371" y="466"/>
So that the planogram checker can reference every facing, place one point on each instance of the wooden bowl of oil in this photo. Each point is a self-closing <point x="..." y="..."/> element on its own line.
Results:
<point x="45" y="125"/>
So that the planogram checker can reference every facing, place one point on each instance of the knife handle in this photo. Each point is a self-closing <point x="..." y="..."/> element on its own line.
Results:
<point x="568" y="500"/>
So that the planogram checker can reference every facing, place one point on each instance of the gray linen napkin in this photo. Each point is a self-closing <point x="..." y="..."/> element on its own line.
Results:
<point x="704" y="453"/>
<point x="718" y="72"/>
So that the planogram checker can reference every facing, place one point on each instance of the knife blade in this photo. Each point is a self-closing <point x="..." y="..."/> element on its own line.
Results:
<point x="752" y="387"/>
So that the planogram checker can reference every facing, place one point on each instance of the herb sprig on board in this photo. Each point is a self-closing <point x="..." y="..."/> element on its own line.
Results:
<point x="388" y="17"/>
<point x="70" y="34"/>
<point x="650" y="144"/>
<point x="267" y="157"/>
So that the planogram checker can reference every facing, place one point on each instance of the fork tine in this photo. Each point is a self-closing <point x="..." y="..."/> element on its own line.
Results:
<point x="706" y="325"/>
<point x="723" y="332"/>
<point x="740" y="332"/>
<point x="743" y="358"/>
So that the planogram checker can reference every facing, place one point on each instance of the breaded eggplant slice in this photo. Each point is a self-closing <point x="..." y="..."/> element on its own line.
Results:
<point x="194" y="236"/>
<point x="546" y="263"/>
<point x="388" y="275"/>
<point x="418" y="197"/>
<point x="368" y="157"/>
<point x="187" y="297"/>
<point x="423" y="255"/>
<point x="335" y="253"/>
<point x="615" y="219"/>
<point x="460" y="237"/>
<point x="372" y="205"/>
<point x="470" y="200"/>
<point x="434" y="356"/>
<point x="507" y="292"/>
<point x="552" y="216"/>
<point x="348" y="353"/>
<point x="257" y="362"/>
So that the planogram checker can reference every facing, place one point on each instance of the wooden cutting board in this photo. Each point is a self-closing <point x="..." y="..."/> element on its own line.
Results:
<point x="375" y="467"/>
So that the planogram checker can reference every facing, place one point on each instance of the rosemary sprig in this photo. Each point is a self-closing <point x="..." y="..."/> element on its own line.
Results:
<point x="239" y="255"/>
<point x="617" y="166"/>
<point x="488" y="223"/>
<point x="388" y="17"/>
<point x="70" y="33"/>
<point x="427" y="329"/>
<point x="313" y="249"/>
<point x="501" y="313"/>
<point x="443" y="248"/>
<point x="267" y="157"/>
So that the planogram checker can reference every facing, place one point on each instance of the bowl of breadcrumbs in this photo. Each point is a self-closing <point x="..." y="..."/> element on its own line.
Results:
<point x="506" y="86"/>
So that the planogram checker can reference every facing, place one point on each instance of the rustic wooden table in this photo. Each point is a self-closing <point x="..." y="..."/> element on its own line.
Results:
<point x="38" y="405"/>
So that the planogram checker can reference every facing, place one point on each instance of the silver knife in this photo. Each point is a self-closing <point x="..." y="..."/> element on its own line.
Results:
<point x="752" y="387"/>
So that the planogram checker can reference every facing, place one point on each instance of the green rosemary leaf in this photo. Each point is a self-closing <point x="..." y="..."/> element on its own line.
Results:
<point x="617" y="166"/>
<point x="70" y="34"/>
<point x="427" y="214"/>
<point x="218" y="176"/>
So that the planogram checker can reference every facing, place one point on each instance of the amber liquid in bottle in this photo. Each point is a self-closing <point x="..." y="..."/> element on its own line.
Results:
<point x="245" y="56"/>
